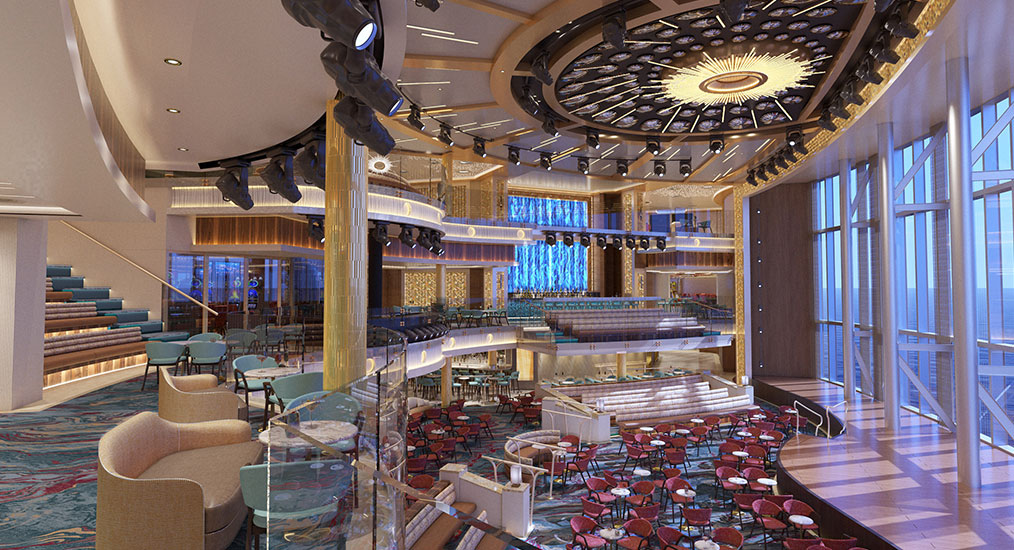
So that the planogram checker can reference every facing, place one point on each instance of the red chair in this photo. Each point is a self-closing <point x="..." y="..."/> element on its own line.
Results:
<point x="725" y="451"/>
<point x="797" y="544"/>
<point x="744" y="503"/>
<point x="504" y="402"/>
<point x="648" y="513"/>
<point x="591" y="454"/>
<point x="840" y="544"/>
<point x="677" y="457"/>
<point x="556" y="470"/>
<point x="531" y="415"/>
<point x="594" y="510"/>
<point x="780" y="500"/>
<point x="668" y="473"/>
<point x="758" y="456"/>
<point x="485" y="423"/>
<point x="753" y="474"/>
<point x="699" y="437"/>
<point x="672" y="485"/>
<point x="416" y="465"/>
<point x="433" y="453"/>
<point x="723" y="473"/>
<point x="670" y="539"/>
<point x="639" y="533"/>
<point x="713" y="422"/>
<point x="635" y="454"/>
<point x="643" y="492"/>
<point x="727" y="538"/>
<point x="578" y="466"/>
<point x="663" y="428"/>
<point x="614" y="480"/>
<point x="795" y="507"/>
<point x="776" y="443"/>
<point x="626" y="438"/>
<point x="422" y="482"/>
<point x="598" y="490"/>
<point x="572" y="439"/>
<point x="766" y="516"/>
<point x="433" y="413"/>
<point x="583" y="529"/>
<point x="697" y="517"/>
<point x="461" y="436"/>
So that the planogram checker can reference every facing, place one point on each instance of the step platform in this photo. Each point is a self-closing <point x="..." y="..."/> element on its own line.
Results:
<point x="173" y="336"/>
<point x="58" y="271"/>
<point x="128" y="315"/>
<point x="64" y="283"/>
<point x="146" y="327"/>
<point x="90" y="293"/>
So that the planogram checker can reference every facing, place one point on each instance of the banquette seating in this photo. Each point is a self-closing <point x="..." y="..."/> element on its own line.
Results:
<point x="658" y="398"/>
<point x="520" y="449"/>
<point x="426" y="527"/>
<point x="618" y="325"/>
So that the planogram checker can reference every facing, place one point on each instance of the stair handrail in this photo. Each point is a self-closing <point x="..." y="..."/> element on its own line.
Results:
<point x="796" y="405"/>
<point x="141" y="269"/>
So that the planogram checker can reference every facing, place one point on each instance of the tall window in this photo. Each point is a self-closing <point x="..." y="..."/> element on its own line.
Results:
<point x="541" y="267"/>
<point x="827" y="248"/>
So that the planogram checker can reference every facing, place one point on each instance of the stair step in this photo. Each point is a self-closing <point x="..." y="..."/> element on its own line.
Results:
<point x="128" y="315"/>
<point x="108" y="304"/>
<point x="147" y="327"/>
<point x="60" y="283"/>
<point x="58" y="271"/>
<point x="173" y="336"/>
<point x="90" y="293"/>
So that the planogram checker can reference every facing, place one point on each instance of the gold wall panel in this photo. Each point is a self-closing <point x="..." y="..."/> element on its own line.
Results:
<point x="421" y="287"/>
<point x="457" y="288"/>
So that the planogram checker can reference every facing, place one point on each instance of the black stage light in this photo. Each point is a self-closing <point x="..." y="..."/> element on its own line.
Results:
<point x="631" y="242"/>
<point x="772" y="167"/>
<point x="540" y="68"/>
<point x="717" y="145"/>
<point x="379" y="233"/>
<point x="881" y="51"/>
<point x="233" y="184"/>
<point x="549" y="127"/>
<point x="660" y="243"/>
<point x="438" y="245"/>
<point x="432" y="5"/>
<point x="582" y="165"/>
<point x="617" y="242"/>
<point x="601" y="242"/>
<point x="789" y="154"/>
<point x="761" y="172"/>
<point x="568" y="239"/>
<point x="779" y="161"/>
<point x="356" y="73"/>
<point x="479" y="147"/>
<point x="406" y="236"/>
<point x="415" y="118"/>
<point x="279" y="176"/>
<point x="826" y="122"/>
<point x="315" y="227"/>
<point x="614" y="29"/>
<point x="645" y="243"/>
<point x="514" y="155"/>
<point x="423" y="238"/>
<point x="883" y="5"/>
<point x="361" y="125"/>
<point x="838" y="110"/>
<point x="546" y="161"/>
<point x="898" y="26"/>
<point x="685" y="168"/>
<point x="445" y="135"/>
<point x="653" y="145"/>
<point x="309" y="163"/>
<point x="551" y="239"/>
<point x="732" y="10"/>
<point x="528" y="102"/>
<point x="867" y="73"/>
<point x="622" y="167"/>
<point x="345" y="21"/>
<point x="751" y="178"/>
<point x="591" y="138"/>
<point x="849" y="95"/>
<point x="660" y="168"/>
<point x="796" y="142"/>
<point x="585" y="240"/>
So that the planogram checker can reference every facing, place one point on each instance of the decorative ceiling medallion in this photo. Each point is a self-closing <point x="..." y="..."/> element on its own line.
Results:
<point x="737" y="78"/>
<point x="379" y="164"/>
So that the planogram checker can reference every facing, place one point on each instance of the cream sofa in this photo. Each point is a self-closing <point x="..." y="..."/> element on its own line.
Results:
<point x="197" y="398"/>
<point x="523" y="452"/>
<point x="164" y="485"/>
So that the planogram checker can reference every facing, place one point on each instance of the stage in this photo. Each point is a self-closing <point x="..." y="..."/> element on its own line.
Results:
<point x="903" y="486"/>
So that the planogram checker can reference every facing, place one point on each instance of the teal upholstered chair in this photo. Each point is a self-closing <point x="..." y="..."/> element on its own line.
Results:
<point x="288" y="388"/>
<point x="241" y="342"/>
<point x="206" y="337"/>
<point x="161" y="354"/>
<point x="245" y="363"/>
<point x="210" y="354"/>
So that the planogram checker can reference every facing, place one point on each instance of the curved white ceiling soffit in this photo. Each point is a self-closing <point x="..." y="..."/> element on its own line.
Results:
<point x="55" y="157"/>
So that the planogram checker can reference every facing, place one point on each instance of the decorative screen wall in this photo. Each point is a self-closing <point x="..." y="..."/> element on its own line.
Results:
<point x="541" y="267"/>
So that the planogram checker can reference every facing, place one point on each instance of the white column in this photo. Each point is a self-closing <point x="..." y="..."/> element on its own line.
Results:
<point x="749" y="244"/>
<point x="845" y="203"/>
<point x="888" y="297"/>
<point x="22" y="301"/>
<point x="966" y="361"/>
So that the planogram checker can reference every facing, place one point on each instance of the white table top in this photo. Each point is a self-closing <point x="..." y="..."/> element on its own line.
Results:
<point x="620" y="491"/>
<point x="766" y="437"/>
<point x="410" y="448"/>
<point x="463" y="417"/>
<point x="706" y="545"/>
<point x="697" y="420"/>
<point x="325" y="431"/>
<point x="564" y="444"/>
<point x="766" y="481"/>
<point x="740" y="454"/>
<point x="686" y="493"/>
<point x="611" y="534"/>
<point x="744" y="434"/>
<point x="801" y="520"/>
<point x="738" y="480"/>
<point x="683" y="431"/>
<point x="658" y="443"/>
<point x="647" y="429"/>
<point x="758" y="417"/>
<point x="538" y="446"/>
<point x="791" y="411"/>
<point x="271" y="372"/>
<point x="438" y="432"/>
<point x="641" y="472"/>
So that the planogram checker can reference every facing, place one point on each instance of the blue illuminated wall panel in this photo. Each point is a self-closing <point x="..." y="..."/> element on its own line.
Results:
<point x="548" y="268"/>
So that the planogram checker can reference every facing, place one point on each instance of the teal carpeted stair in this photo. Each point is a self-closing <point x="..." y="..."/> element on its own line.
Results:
<point x="57" y="271"/>
<point x="64" y="283"/>
<point x="173" y="336"/>
<point x="88" y="294"/>
<point x="129" y="315"/>
<point x="147" y="327"/>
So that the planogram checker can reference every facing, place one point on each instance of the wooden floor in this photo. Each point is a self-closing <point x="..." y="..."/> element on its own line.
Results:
<point x="903" y="486"/>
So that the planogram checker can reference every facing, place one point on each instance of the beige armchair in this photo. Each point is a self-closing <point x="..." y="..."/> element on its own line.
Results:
<point x="196" y="398"/>
<point x="164" y="485"/>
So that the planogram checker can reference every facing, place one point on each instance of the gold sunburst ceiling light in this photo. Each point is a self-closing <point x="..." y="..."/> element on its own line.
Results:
<point x="379" y="164"/>
<point x="737" y="78"/>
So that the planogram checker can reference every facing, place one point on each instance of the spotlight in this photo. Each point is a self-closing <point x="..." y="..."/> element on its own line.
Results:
<point x="645" y="243"/>
<point x="622" y="167"/>
<point x="582" y="165"/>
<point x="591" y="138"/>
<point x="653" y="145"/>
<point x="795" y="141"/>
<point x="423" y="238"/>
<point x="826" y="122"/>
<point x="233" y="184"/>
<point x="551" y="239"/>
<point x="867" y="73"/>
<point x="540" y="69"/>
<point x="406" y="236"/>
<point x="685" y="168"/>
<point x="315" y="227"/>
<point x="717" y="145"/>
<point x="528" y="102"/>
<point x="438" y="246"/>
<point x="309" y="163"/>
<point x="837" y="109"/>
<point x="359" y="123"/>
<point x="600" y="241"/>
<point x="779" y="161"/>
<point x="479" y="147"/>
<point x="432" y="5"/>
<point x="761" y="172"/>
<point x="789" y="154"/>
<point x="772" y="168"/>
<point x="514" y="156"/>
<point x="631" y="242"/>
<point x="751" y="178"/>
<point x="279" y="176"/>
<point x="549" y="127"/>
<point x="546" y="161"/>
<point x="617" y="242"/>
<point x="585" y="240"/>
<point x="732" y="10"/>
<point x="356" y="73"/>
<point x="881" y="51"/>
<point x="899" y="27"/>
<point x="379" y="233"/>
<point x="345" y="21"/>
<point x="445" y="135"/>
<point x="660" y="168"/>
<point x="660" y="243"/>
<point x="415" y="118"/>
<point x="614" y="29"/>
<point x="849" y="95"/>
<point x="568" y="239"/>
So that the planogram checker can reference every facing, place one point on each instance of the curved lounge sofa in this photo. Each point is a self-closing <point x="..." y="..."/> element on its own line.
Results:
<point x="523" y="452"/>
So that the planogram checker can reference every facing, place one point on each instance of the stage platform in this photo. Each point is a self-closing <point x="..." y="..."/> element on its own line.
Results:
<point x="903" y="487"/>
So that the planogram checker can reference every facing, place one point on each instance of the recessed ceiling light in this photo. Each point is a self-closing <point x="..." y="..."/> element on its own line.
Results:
<point x="182" y="149"/>
<point x="173" y="62"/>
<point x="173" y="110"/>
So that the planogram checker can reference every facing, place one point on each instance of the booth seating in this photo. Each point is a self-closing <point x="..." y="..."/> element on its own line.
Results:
<point x="418" y="405"/>
<point x="197" y="398"/>
<point x="659" y="398"/>
<point x="164" y="484"/>
<point x="619" y="325"/>
<point x="426" y="527"/>
<point x="523" y="452"/>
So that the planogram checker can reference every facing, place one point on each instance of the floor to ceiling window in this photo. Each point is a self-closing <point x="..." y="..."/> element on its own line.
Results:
<point x="827" y="246"/>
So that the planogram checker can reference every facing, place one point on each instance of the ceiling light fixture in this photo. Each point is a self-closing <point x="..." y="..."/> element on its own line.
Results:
<point x="568" y="239"/>
<point x="849" y="95"/>
<point x="479" y="147"/>
<point x="653" y="145"/>
<point x="789" y="154"/>
<point x="716" y="145"/>
<point x="837" y="109"/>
<point x="549" y="127"/>
<point x="279" y="176"/>
<point x="315" y="227"/>
<point x="172" y="61"/>
<point x="867" y="73"/>
<point x="645" y="243"/>
<point x="173" y="110"/>
<point x="614" y="29"/>
<point x="514" y="156"/>
<point x="660" y="243"/>
<point x="551" y="239"/>
<point x="356" y="73"/>
<point x="415" y="118"/>
<point x="184" y="149"/>
<point x="601" y="242"/>
<point x="540" y="68"/>
<point x="345" y="21"/>
<point x="631" y="242"/>
<point x="622" y="167"/>
<point x="546" y="161"/>
<point x="826" y="122"/>
<point x="659" y="168"/>
<point x="591" y="138"/>
<point x="406" y="236"/>
<point x="309" y="163"/>
<point x="445" y="135"/>
<point x="582" y="165"/>
<point x="585" y="240"/>
<point x="881" y="51"/>
<point x="379" y="233"/>
<point x="751" y="178"/>
<point x="432" y="5"/>
<point x="737" y="78"/>
<point x="795" y="140"/>
<point x="362" y="126"/>
<point x="233" y="184"/>
<point x="685" y="168"/>
<point x="898" y="26"/>
<point x="617" y="242"/>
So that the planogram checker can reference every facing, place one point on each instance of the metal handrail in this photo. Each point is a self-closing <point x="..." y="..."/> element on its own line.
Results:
<point x="141" y="269"/>
<point x="796" y="405"/>
<point x="827" y="411"/>
<point x="533" y="470"/>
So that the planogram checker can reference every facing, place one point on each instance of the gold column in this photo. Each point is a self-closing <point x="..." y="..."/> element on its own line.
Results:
<point x="344" y="258"/>
<point x="621" y="364"/>
<point x="445" y="383"/>
<point x="441" y="297"/>
<point x="739" y="195"/>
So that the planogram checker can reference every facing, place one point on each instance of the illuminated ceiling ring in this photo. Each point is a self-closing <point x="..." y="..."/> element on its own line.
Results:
<point x="737" y="78"/>
<point x="379" y="164"/>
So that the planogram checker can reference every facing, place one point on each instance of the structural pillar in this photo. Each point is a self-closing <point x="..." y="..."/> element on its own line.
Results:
<point x="441" y="285"/>
<point x="888" y="297"/>
<point x="22" y="325"/>
<point x="621" y="364"/>
<point x="375" y="278"/>
<point x="966" y="361"/>
<point x="345" y="285"/>
<point x="446" y="383"/>
<point x="847" y="323"/>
